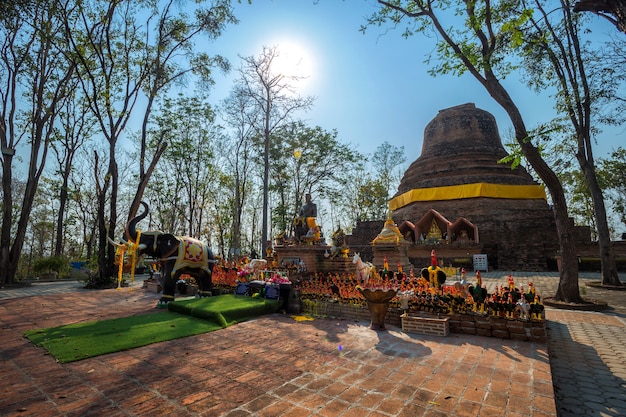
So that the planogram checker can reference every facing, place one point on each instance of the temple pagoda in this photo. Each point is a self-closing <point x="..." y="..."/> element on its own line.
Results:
<point x="458" y="197"/>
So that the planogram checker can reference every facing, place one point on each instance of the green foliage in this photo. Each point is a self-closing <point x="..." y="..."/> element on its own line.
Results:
<point x="319" y="169"/>
<point x="372" y="200"/>
<point x="612" y="177"/>
<point x="51" y="264"/>
<point x="185" y="184"/>
<point x="384" y="160"/>
<point x="579" y="200"/>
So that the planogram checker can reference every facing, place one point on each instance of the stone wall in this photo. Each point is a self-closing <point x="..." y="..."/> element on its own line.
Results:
<point x="360" y="240"/>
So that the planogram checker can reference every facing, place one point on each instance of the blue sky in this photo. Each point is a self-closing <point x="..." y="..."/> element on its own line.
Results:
<point x="371" y="87"/>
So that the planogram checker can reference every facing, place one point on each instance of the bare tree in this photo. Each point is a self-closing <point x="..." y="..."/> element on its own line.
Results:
<point x="83" y="193"/>
<point x="33" y="69"/>
<point x="76" y="128"/>
<point x="386" y="158"/>
<point x="552" y="41"/>
<point x="235" y="109"/>
<point x="272" y="102"/>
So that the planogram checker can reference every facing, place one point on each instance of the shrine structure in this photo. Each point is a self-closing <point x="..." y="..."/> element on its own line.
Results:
<point x="459" y="199"/>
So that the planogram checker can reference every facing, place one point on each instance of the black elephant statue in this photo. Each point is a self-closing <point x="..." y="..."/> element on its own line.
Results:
<point x="177" y="255"/>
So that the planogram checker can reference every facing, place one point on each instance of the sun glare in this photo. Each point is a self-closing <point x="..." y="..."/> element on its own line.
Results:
<point x="293" y="60"/>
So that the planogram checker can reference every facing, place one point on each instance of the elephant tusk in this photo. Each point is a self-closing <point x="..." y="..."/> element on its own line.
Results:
<point x="114" y="243"/>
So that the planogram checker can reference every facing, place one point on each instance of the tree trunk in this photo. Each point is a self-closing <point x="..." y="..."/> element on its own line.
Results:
<point x="63" y="196"/>
<point x="22" y="224"/>
<point x="607" y="255"/>
<point x="11" y="251"/>
<point x="580" y="114"/>
<point x="7" y="215"/>
<point x="568" y="290"/>
<point x="104" y="273"/>
<point x="113" y="172"/>
<point x="266" y="176"/>
<point x="143" y="181"/>
<point x="236" y="236"/>
<point x="105" y="270"/>
<point x="144" y="175"/>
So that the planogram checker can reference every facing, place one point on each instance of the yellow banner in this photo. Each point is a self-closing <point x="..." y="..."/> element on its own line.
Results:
<point x="457" y="192"/>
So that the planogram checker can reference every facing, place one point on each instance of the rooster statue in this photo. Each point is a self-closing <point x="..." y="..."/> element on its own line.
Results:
<point x="478" y="292"/>
<point x="434" y="274"/>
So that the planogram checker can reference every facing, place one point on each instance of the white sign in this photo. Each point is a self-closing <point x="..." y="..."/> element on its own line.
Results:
<point x="480" y="262"/>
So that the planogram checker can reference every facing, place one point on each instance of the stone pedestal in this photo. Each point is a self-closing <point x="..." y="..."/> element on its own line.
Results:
<point x="395" y="254"/>
<point x="316" y="258"/>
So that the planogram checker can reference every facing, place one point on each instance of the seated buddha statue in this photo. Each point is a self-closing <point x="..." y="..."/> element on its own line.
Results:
<point x="463" y="236"/>
<point x="306" y="229"/>
<point x="434" y="233"/>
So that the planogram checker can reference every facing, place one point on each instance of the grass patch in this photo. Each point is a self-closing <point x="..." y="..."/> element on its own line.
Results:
<point x="225" y="310"/>
<point x="78" y="341"/>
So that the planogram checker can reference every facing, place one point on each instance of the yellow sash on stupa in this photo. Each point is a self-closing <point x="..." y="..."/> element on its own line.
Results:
<point x="457" y="192"/>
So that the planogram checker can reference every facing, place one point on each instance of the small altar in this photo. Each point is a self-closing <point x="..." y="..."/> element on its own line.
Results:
<point x="311" y="259"/>
<point x="394" y="254"/>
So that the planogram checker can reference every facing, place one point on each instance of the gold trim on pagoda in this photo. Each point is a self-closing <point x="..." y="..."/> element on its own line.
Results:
<point x="458" y="192"/>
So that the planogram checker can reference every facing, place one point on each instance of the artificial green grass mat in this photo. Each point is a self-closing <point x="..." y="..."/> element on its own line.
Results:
<point x="225" y="310"/>
<point x="78" y="341"/>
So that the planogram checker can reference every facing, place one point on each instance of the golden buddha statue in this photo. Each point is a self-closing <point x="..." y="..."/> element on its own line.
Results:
<point x="434" y="233"/>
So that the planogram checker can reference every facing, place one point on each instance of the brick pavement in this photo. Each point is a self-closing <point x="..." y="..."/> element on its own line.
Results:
<point x="275" y="366"/>
<point x="587" y="354"/>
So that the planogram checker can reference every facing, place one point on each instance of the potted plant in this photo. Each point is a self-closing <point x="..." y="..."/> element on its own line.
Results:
<point x="50" y="267"/>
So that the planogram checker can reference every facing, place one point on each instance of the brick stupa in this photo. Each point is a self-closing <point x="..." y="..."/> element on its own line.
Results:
<point x="458" y="182"/>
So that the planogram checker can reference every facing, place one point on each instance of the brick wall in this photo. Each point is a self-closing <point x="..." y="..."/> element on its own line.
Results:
<point x="533" y="331"/>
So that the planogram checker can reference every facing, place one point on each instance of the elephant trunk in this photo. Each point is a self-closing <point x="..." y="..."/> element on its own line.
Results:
<point x="112" y="242"/>
<point x="131" y="226"/>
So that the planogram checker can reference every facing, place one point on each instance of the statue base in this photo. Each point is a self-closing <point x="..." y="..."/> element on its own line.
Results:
<point x="395" y="255"/>
<point x="314" y="258"/>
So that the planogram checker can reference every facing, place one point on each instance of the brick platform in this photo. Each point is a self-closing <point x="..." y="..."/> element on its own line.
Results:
<point x="426" y="325"/>
<point x="490" y="326"/>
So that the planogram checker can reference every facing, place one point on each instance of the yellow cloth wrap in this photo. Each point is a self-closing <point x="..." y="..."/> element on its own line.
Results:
<point x="457" y="192"/>
<point x="133" y="257"/>
<point x="120" y="253"/>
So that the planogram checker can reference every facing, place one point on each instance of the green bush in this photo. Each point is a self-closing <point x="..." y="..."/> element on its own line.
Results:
<point x="52" y="264"/>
